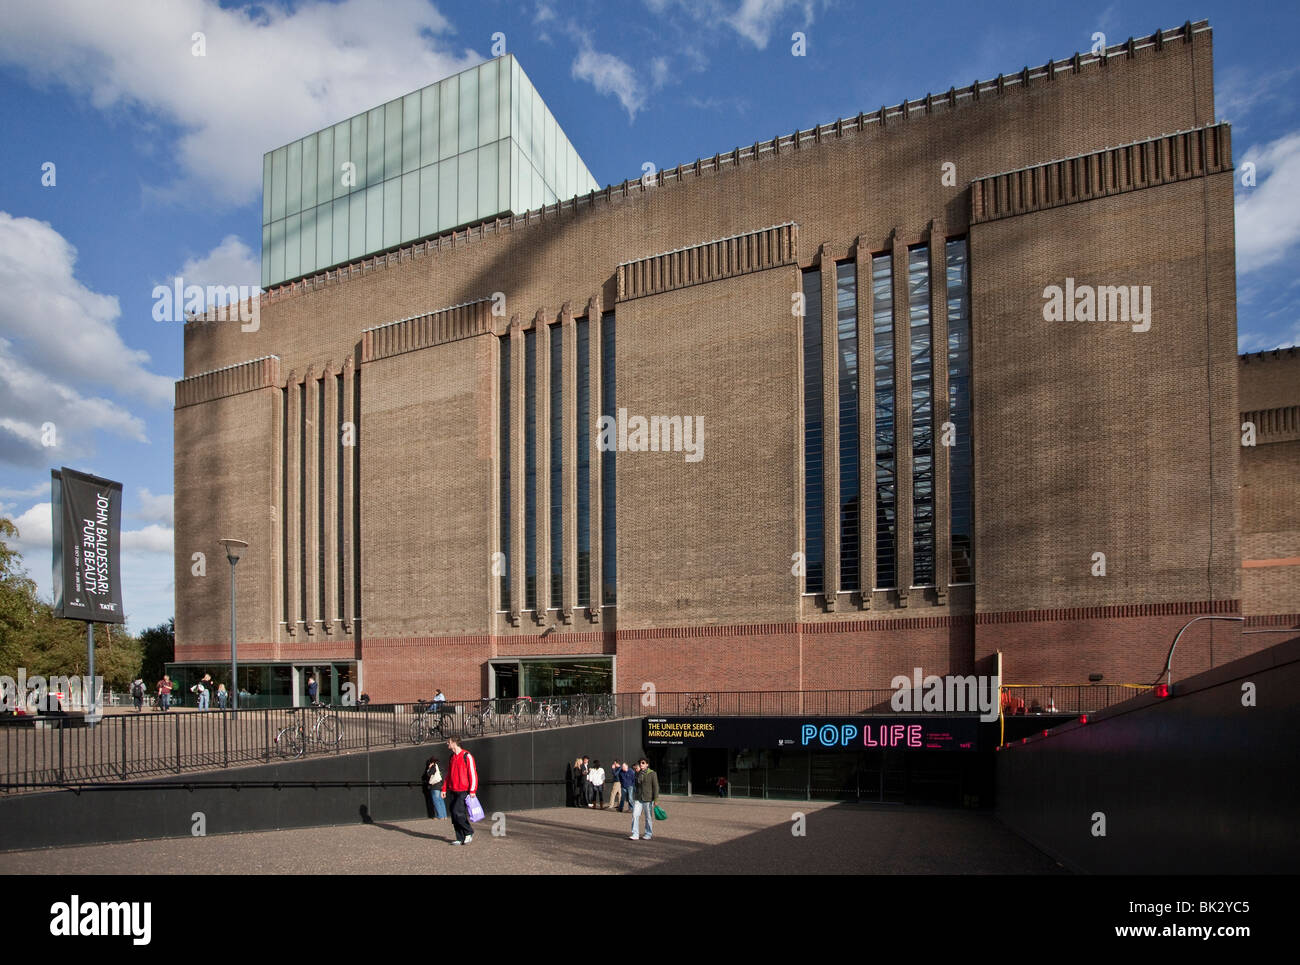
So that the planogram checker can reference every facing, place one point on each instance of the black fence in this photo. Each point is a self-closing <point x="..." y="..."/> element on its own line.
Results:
<point x="68" y="749"/>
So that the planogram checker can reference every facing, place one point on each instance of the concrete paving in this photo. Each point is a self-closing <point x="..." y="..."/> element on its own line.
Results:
<point x="701" y="836"/>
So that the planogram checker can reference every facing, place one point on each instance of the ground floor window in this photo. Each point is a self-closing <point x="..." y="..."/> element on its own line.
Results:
<point x="552" y="677"/>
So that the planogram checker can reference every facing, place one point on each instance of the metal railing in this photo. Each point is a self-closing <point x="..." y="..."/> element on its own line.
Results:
<point x="53" y="750"/>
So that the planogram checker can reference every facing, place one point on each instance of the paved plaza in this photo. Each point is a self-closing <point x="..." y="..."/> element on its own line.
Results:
<point x="701" y="836"/>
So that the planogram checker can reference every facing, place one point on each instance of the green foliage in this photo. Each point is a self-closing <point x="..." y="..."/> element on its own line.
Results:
<point x="158" y="646"/>
<point x="33" y="638"/>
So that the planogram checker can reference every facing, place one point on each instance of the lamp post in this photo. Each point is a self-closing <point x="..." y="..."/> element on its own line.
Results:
<point x="233" y="548"/>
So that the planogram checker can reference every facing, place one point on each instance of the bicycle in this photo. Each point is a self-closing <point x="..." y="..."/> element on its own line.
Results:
<point x="523" y="708"/>
<point x="475" y="724"/>
<point x="577" y="709"/>
<point x="548" y="713"/>
<point x="696" y="704"/>
<point x="431" y="720"/>
<point x="604" y="709"/>
<point x="327" y="730"/>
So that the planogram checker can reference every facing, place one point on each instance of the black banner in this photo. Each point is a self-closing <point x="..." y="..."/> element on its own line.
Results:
<point x="87" y="539"/>
<point x="916" y="732"/>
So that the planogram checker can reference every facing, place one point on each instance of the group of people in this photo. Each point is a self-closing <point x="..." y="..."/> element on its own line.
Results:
<point x="635" y="786"/>
<point x="452" y="793"/>
<point x="203" y="691"/>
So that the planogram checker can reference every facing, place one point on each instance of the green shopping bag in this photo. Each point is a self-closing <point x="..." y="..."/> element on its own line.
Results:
<point x="660" y="814"/>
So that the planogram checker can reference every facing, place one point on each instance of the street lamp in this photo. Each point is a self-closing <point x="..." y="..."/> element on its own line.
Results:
<point x="233" y="548"/>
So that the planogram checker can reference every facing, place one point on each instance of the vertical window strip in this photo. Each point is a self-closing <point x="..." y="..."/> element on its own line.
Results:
<point x="608" y="496"/>
<point x="530" y="469"/>
<point x="301" y="470"/>
<point x="882" y="326"/>
<point x="557" y="466"/>
<point x="922" y="391"/>
<point x="846" y="327"/>
<point x="583" y="462"/>
<point x="504" y="460"/>
<point x="320" y="499"/>
<point x="339" y="492"/>
<point x="961" y="458"/>
<point x="813" y="436"/>
<point x="285" y="555"/>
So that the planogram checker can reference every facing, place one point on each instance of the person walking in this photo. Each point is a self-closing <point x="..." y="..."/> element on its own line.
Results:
<point x="137" y="693"/>
<point x="616" y="792"/>
<point x="596" y="777"/>
<point x="205" y="691"/>
<point x="437" y="794"/>
<point x="647" y="792"/>
<point x="164" y="693"/>
<point x="312" y="688"/>
<point x="627" y="782"/>
<point x="222" y="696"/>
<point x="462" y="781"/>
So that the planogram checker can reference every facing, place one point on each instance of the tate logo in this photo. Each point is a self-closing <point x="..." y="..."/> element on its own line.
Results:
<point x="76" y="918"/>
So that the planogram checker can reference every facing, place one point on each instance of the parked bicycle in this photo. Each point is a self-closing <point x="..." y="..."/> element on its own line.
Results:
<point x="548" y="713"/>
<point x="488" y="717"/>
<point x="326" y="730"/>
<point x="431" y="720"/>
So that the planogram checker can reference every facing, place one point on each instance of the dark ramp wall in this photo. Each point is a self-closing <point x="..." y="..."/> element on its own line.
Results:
<point x="1196" y="783"/>
<point x="516" y="771"/>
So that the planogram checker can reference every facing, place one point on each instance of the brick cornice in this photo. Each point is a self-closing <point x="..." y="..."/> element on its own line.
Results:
<point x="259" y="373"/>
<point x="1198" y="608"/>
<point x="709" y="261"/>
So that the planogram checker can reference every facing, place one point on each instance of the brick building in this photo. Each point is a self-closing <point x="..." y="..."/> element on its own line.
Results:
<point x="950" y="378"/>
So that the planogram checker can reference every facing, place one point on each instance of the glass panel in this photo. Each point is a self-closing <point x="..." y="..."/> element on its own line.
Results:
<point x="448" y="118"/>
<point x="308" y="193"/>
<point x="324" y="166"/>
<point x="608" y="477"/>
<point x="918" y="284"/>
<point x="324" y="235"/>
<point x="293" y="179"/>
<point x="392" y="212"/>
<point x="266" y="256"/>
<point x="503" y="458"/>
<point x="516" y="103"/>
<point x="549" y="150"/>
<point x="814" y="491"/>
<point x="410" y="132"/>
<point x="341" y="236"/>
<point x="277" y="250"/>
<point x="530" y="469"/>
<point x="429" y="199"/>
<point x="517" y="200"/>
<point x="392" y="139"/>
<point x="356" y="225"/>
<point x="538" y="190"/>
<point x="882" y="318"/>
<point x="429" y="124"/>
<point x="410" y="206"/>
<point x="487" y="180"/>
<point x="308" y="235"/>
<point x="374" y="148"/>
<point x="468" y="110"/>
<point x="374" y="238"/>
<point x="961" y="463"/>
<point x="503" y="175"/>
<point x="359" y="155"/>
<point x="447" y="197"/>
<point x="468" y="205"/>
<point x="342" y="155"/>
<point x="846" y="326"/>
<point x="503" y="96"/>
<point x="538" y="133"/>
<point x="487" y="102"/>
<point x="266" y="189"/>
<point x="278" y="166"/>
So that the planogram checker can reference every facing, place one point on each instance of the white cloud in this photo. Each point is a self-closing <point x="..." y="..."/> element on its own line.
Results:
<point x="660" y="72"/>
<point x="151" y="539"/>
<point x="231" y="263"/>
<point x="61" y="352"/>
<point x="756" y="19"/>
<point x="610" y="75"/>
<point x="269" y="74"/>
<point x="155" y="507"/>
<point x="1268" y="215"/>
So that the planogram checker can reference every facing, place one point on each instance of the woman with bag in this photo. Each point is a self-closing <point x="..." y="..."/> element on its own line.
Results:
<point x="433" y="781"/>
<point x="462" y="785"/>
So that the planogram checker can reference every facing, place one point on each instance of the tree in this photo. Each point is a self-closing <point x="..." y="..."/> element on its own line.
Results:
<point x="159" y="646"/>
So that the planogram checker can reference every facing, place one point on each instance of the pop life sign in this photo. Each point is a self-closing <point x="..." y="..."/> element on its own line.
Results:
<point x="87" y="547"/>
<point x="899" y="732"/>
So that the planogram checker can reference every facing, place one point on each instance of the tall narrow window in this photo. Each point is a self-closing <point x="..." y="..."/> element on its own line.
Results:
<point x="340" y="521"/>
<point x="882" y="326"/>
<point x="608" y="500"/>
<point x="286" y="571"/>
<point x="320" y="501"/>
<point x="557" y="466"/>
<point x="846" y="329"/>
<point x="530" y="469"/>
<point x="961" y="461"/>
<point x="583" y="461"/>
<point x="918" y="289"/>
<point x="814" y="546"/>
<point x="304" y="616"/>
<point x="504" y="459"/>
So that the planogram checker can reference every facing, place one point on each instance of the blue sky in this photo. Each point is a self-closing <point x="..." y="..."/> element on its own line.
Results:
<point x="158" y="158"/>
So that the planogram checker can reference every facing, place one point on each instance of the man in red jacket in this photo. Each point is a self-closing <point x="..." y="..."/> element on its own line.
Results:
<point x="462" y="781"/>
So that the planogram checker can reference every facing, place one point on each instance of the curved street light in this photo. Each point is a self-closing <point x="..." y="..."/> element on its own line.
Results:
<point x="234" y="547"/>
